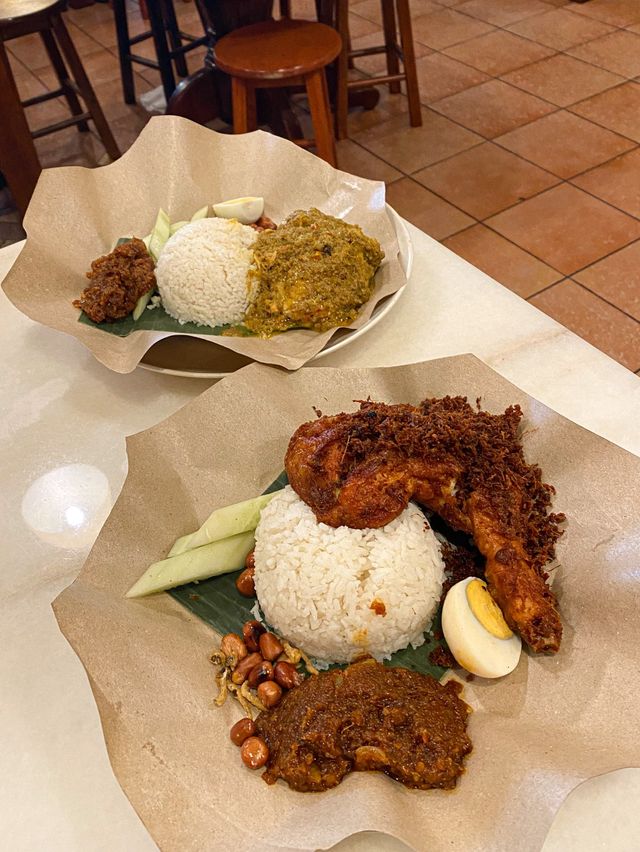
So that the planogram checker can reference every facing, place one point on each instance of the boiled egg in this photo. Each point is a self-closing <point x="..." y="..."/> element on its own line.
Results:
<point x="246" y="210"/>
<point x="475" y="630"/>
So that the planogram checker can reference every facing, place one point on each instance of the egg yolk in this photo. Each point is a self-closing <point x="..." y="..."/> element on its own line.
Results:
<point x="486" y="610"/>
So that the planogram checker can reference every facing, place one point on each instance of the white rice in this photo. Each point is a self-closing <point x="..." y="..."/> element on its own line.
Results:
<point x="316" y="584"/>
<point x="202" y="272"/>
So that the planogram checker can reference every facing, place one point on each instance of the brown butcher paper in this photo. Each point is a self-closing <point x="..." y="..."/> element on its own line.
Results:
<point x="537" y="733"/>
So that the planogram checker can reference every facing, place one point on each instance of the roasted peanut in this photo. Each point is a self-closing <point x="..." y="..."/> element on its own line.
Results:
<point x="258" y="674"/>
<point x="252" y="631"/>
<point x="233" y="648"/>
<point x="286" y="675"/>
<point x="269" y="693"/>
<point x="250" y="561"/>
<point x="241" y="671"/>
<point x="270" y="646"/>
<point x="254" y="752"/>
<point x="242" y="730"/>
<point x="245" y="584"/>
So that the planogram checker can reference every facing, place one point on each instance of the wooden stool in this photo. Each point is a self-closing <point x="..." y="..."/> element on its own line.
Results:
<point x="277" y="54"/>
<point x="18" y="157"/>
<point x="396" y="53"/>
<point x="170" y="43"/>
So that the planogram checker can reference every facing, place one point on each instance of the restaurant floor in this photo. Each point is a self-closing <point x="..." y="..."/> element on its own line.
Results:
<point x="527" y="163"/>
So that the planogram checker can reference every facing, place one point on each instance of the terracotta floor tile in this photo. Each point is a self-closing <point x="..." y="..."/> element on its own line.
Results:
<point x="425" y="210"/>
<point x="28" y="85"/>
<point x="30" y="50"/>
<point x="412" y="148"/>
<point x="440" y="76"/>
<point x="389" y="106"/>
<point x="508" y="264"/>
<point x="616" y="279"/>
<point x="493" y="108"/>
<point x="442" y="29"/>
<point x="618" y="52"/>
<point x="371" y="9"/>
<point x="485" y="180"/>
<point x="356" y="160"/>
<point x="592" y="318"/>
<point x="620" y="13"/>
<point x="502" y="12"/>
<point x="562" y="80"/>
<point x="359" y="26"/>
<point x="497" y="52"/>
<point x="566" y="228"/>
<point x="560" y="28"/>
<point x="564" y="144"/>
<point x="69" y="148"/>
<point x="618" y="109"/>
<point x="99" y="67"/>
<point x="617" y="182"/>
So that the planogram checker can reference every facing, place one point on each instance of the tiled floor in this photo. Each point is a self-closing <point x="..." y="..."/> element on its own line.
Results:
<point x="527" y="163"/>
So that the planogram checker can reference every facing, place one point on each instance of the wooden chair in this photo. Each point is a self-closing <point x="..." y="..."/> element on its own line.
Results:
<point x="18" y="157"/>
<point x="277" y="54"/>
<point x="398" y="47"/>
<point x="171" y="45"/>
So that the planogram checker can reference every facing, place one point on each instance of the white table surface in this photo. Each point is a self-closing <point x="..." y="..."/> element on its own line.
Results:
<point x="63" y="462"/>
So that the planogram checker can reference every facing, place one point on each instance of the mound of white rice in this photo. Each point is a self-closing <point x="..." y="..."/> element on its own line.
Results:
<point x="319" y="587"/>
<point x="202" y="272"/>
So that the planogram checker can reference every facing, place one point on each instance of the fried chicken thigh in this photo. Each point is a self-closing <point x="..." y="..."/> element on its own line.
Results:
<point x="360" y="470"/>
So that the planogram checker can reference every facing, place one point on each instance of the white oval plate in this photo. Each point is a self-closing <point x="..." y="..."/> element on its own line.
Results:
<point x="183" y="355"/>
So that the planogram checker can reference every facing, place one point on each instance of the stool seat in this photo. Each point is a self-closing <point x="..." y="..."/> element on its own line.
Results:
<point x="275" y="50"/>
<point x="11" y="10"/>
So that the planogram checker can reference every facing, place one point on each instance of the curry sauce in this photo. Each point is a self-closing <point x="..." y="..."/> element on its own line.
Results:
<point x="314" y="271"/>
<point x="367" y="717"/>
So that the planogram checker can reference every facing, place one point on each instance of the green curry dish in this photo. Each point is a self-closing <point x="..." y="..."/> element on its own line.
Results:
<point x="314" y="271"/>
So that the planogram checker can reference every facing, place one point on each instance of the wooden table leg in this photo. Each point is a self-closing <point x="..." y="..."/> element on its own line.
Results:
<point x="409" y="61"/>
<point x="390" y="40"/>
<point x="318" y="96"/>
<point x="243" y="99"/>
<point x="342" y="71"/>
<point x="18" y="158"/>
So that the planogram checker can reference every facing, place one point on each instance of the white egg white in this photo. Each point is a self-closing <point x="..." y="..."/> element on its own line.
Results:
<point x="246" y="210"/>
<point x="474" y="647"/>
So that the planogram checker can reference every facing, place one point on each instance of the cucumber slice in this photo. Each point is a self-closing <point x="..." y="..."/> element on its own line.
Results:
<point x="142" y="303"/>
<point x="227" y="521"/>
<point x="202" y="213"/>
<point x="220" y="557"/>
<point x="160" y="234"/>
<point x="177" y="225"/>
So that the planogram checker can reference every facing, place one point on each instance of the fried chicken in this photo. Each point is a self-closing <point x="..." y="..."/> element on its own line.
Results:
<point x="361" y="470"/>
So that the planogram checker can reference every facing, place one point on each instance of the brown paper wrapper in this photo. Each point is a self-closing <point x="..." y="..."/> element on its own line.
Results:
<point x="77" y="214"/>
<point x="537" y="733"/>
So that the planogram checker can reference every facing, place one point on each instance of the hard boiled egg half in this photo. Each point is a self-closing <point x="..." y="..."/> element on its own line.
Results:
<point x="477" y="634"/>
<point x="246" y="210"/>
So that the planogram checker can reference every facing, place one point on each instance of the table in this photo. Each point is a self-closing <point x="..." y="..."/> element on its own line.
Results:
<point x="63" y="462"/>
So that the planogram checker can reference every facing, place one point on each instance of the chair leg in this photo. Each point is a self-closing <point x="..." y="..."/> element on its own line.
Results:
<point x="175" y="39"/>
<point x="243" y="98"/>
<point x="162" y="48"/>
<point x="84" y="86"/>
<point x="66" y="84"/>
<point x="390" y="42"/>
<point x="18" y="156"/>
<point x="124" y="51"/>
<point x="318" y="95"/>
<point x="285" y="8"/>
<point x="409" y="61"/>
<point x="342" y="69"/>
